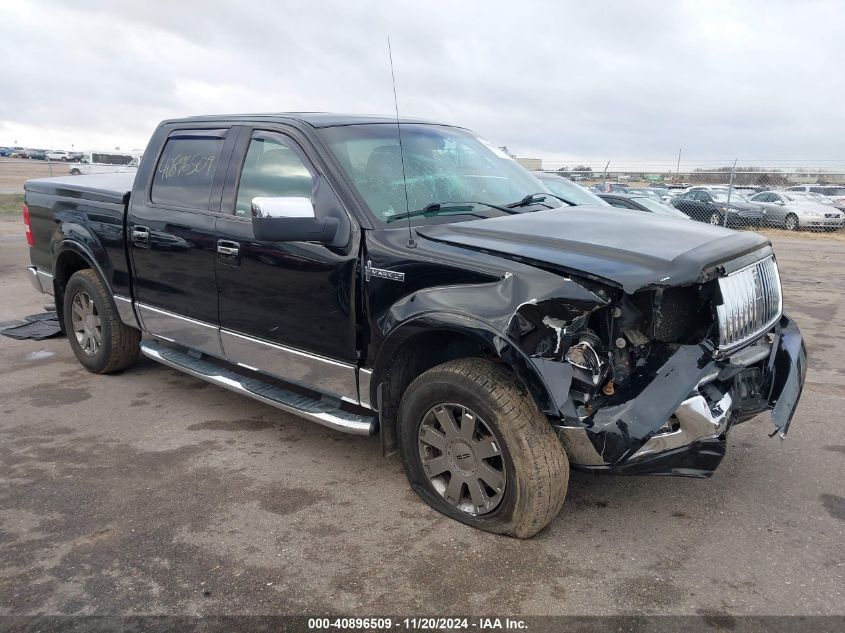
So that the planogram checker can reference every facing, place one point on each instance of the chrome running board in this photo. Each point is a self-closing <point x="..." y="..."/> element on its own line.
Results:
<point x="297" y="404"/>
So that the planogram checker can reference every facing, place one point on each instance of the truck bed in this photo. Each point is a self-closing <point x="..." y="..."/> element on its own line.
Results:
<point x="110" y="188"/>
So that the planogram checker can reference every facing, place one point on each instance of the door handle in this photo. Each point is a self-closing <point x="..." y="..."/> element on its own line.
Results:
<point x="229" y="251"/>
<point x="140" y="233"/>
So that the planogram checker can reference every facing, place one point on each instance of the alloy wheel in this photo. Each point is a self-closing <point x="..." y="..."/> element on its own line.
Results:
<point x="462" y="459"/>
<point x="85" y="321"/>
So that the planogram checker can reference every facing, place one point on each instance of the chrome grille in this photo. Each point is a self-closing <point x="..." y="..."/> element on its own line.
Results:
<point x="751" y="302"/>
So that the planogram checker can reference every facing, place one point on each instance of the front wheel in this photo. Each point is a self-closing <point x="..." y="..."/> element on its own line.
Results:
<point x="715" y="219"/>
<point x="475" y="448"/>
<point x="791" y="222"/>
<point x="74" y="172"/>
<point x="101" y="342"/>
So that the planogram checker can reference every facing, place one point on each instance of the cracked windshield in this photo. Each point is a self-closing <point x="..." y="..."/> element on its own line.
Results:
<point x="449" y="173"/>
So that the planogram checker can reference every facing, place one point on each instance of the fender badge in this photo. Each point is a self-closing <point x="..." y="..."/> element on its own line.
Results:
<point x="369" y="272"/>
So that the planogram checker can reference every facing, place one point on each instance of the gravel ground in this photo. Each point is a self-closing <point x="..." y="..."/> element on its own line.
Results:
<point x="151" y="492"/>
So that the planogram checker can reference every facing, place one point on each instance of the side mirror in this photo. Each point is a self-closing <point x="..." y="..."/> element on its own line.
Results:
<point x="290" y="220"/>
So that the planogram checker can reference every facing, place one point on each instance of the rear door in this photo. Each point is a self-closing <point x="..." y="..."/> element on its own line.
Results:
<point x="172" y="243"/>
<point x="286" y="308"/>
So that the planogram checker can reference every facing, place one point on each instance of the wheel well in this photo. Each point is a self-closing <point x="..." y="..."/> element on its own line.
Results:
<point x="67" y="264"/>
<point x="418" y="354"/>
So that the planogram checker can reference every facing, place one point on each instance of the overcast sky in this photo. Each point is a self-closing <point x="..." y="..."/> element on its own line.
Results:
<point x="761" y="81"/>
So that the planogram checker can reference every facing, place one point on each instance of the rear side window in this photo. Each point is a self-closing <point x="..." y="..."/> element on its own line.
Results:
<point x="185" y="171"/>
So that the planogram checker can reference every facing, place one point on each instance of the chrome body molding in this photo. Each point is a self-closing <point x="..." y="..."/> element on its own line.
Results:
<point x="41" y="281"/>
<point x="364" y="378"/>
<point x="175" y="328"/>
<point x="314" y="410"/>
<point x="321" y="374"/>
<point x="125" y="311"/>
<point x="697" y="420"/>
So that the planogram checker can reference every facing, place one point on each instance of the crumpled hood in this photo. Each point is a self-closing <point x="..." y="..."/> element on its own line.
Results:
<point x="629" y="248"/>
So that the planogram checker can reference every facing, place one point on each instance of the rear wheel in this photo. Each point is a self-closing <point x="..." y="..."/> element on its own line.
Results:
<point x="475" y="448"/>
<point x="715" y="219"/>
<point x="101" y="342"/>
<point x="791" y="222"/>
<point x="74" y="172"/>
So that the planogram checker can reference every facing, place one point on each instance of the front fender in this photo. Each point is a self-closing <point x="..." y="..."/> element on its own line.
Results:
<point x="548" y="386"/>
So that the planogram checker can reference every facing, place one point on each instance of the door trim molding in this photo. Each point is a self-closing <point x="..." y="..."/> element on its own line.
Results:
<point x="183" y="330"/>
<point x="332" y="377"/>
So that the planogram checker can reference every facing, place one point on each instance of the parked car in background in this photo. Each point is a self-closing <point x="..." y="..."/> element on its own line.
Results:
<point x="566" y="190"/>
<point x="828" y="201"/>
<point x="641" y="203"/>
<point x="38" y="154"/>
<point x="6" y="151"/>
<point x="58" y="154"/>
<point x="105" y="163"/>
<point x="75" y="157"/>
<point x="663" y="193"/>
<point x="835" y="192"/>
<point x="712" y="206"/>
<point x="607" y="187"/>
<point x="794" y="210"/>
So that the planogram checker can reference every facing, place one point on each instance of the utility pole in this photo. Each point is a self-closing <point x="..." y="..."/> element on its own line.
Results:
<point x="678" y="168"/>
<point x="730" y="189"/>
<point x="604" y="175"/>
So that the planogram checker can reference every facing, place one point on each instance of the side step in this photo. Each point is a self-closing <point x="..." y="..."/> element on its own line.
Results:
<point x="303" y="406"/>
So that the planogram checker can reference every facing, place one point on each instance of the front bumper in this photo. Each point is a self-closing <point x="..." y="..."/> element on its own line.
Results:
<point x="678" y="423"/>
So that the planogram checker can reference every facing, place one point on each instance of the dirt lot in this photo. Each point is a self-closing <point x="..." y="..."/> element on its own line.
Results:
<point x="153" y="492"/>
<point x="15" y="171"/>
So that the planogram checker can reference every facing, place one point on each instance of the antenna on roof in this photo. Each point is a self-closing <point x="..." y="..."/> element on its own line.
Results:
<point x="411" y="242"/>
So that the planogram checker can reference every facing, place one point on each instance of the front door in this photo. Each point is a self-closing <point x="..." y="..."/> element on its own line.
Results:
<point x="287" y="309"/>
<point x="172" y="242"/>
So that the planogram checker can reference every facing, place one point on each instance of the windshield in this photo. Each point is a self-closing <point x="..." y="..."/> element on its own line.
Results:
<point x="658" y="207"/>
<point x="442" y="165"/>
<point x="571" y="192"/>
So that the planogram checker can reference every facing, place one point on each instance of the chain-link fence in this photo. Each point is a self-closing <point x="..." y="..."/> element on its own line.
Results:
<point x="798" y="200"/>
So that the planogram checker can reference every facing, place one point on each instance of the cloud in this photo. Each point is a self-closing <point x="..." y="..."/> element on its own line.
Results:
<point x="618" y="80"/>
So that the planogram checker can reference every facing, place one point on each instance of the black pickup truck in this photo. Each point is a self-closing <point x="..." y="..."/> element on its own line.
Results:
<point x="411" y="279"/>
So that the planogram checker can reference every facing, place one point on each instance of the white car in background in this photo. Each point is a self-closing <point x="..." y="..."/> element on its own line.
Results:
<point x="58" y="154"/>
<point x="836" y="193"/>
<point x="106" y="163"/>
<point x="794" y="210"/>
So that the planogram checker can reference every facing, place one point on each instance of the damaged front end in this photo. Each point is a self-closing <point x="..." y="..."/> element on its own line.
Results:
<point x="651" y="382"/>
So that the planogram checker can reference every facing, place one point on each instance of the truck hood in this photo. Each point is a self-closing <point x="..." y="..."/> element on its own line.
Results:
<point x="628" y="248"/>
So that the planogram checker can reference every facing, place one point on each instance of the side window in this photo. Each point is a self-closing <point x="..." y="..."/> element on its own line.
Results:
<point x="185" y="171"/>
<point x="273" y="169"/>
<point x="616" y="202"/>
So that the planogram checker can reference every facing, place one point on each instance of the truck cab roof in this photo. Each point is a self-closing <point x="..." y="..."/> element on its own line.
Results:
<point x="313" y="119"/>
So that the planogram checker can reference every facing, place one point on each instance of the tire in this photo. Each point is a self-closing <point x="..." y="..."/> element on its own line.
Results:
<point x="715" y="219"/>
<point x="105" y="344"/>
<point x="74" y="172"/>
<point x="532" y="467"/>
<point x="791" y="222"/>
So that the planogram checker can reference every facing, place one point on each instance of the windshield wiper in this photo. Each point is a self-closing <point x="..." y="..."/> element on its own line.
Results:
<point x="442" y="208"/>
<point x="565" y="201"/>
<point x="531" y="198"/>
